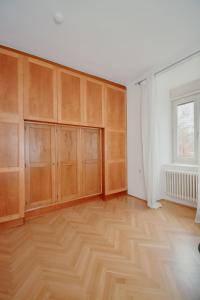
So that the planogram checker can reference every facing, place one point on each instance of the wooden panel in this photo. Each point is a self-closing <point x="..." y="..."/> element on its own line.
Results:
<point x="94" y="103"/>
<point x="9" y="193"/>
<point x="11" y="136"/>
<point x="91" y="161"/>
<point x="69" y="101"/>
<point x="40" y="90"/>
<point x="40" y="165"/>
<point x="68" y="170"/>
<point x="68" y="140"/>
<point x="8" y="84"/>
<point x="91" y="178"/>
<point x="9" y="145"/>
<point x="11" y="89"/>
<point x="40" y="144"/>
<point x="115" y="109"/>
<point x="115" y="161"/>
<point x="40" y="184"/>
<point x="90" y="143"/>
<point x="75" y="71"/>
<point x="116" y="176"/>
<point x="116" y="145"/>
<point x="115" y="140"/>
<point x="69" y="182"/>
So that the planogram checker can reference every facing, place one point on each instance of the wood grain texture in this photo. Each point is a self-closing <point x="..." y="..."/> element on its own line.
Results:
<point x="69" y="97"/>
<point x="12" y="223"/>
<point x="40" y="165"/>
<point x="115" y="109"/>
<point x="9" y="193"/>
<point x="116" y="176"/>
<point x="94" y="92"/>
<point x="91" y="161"/>
<point x="84" y="101"/>
<point x="42" y="211"/>
<point x="115" y="195"/>
<point x="118" y="249"/>
<point x="116" y="143"/>
<point x="68" y="163"/>
<point x="11" y="85"/>
<point x="8" y="83"/>
<point x="103" y="80"/>
<point x="115" y="170"/>
<point x="11" y="136"/>
<point x="40" y="89"/>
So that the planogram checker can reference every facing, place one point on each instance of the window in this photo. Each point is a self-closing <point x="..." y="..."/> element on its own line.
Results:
<point x="185" y="129"/>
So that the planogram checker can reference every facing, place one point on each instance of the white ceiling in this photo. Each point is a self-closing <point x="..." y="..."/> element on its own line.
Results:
<point x="116" y="39"/>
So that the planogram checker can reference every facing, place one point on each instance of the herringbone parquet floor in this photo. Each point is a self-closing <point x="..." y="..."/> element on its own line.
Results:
<point x="117" y="249"/>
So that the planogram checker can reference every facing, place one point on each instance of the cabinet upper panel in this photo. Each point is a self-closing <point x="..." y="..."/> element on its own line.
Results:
<point x="40" y="91"/>
<point x="69" y="97"/>
<point x="11" y="88"/>
<point x="94" y="103"/>
<point x="52" y="93"/>
<point x="115" y="109"/>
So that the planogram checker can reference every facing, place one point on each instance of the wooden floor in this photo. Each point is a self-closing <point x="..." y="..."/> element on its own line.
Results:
<point x="117" y="249"/>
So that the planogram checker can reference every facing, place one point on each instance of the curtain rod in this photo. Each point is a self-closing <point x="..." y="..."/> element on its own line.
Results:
<point x="171" y="65"/>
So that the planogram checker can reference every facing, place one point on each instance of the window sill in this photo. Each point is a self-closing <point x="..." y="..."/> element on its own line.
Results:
<point x="182" y="167"/>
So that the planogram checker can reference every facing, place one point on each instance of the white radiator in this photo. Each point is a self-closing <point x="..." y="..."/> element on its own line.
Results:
<point x="181" y="184"/>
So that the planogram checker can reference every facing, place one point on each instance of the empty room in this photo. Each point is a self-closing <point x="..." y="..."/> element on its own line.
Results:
<point x="99" y="150"/>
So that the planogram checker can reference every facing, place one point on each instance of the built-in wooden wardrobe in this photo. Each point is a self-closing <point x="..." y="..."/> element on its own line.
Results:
<point x="62" y="136"/>
<point x="62" y="163"/>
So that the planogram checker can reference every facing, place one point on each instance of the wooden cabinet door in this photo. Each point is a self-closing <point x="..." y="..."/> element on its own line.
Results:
<point x="40" y="165"/>
<point x="116" y="145"/>
<point x="68" y="163"/>
<point x="115" y="141"/>
<point x="11" y="170"/>
<point x="116" y="180"/>
<point x="11" y="85"/>
<point x="115" y="109"/>
<point x="70" y="87"/>
<point x="91" y="161"/>
<point x="11" y="136"/>
<point x="40" y="91"/>
<point x="94" y="102"/>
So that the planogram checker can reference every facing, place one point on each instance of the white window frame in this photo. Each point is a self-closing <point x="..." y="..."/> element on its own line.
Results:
<point x="192" y="98"/>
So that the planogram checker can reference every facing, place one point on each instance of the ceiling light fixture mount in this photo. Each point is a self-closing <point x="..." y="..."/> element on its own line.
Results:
<point x="58" y="18"/>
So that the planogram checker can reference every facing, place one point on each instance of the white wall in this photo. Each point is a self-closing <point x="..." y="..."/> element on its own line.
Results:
<point x="177" y="76"/>
<point x="135" y="168"/>
<point x="181" y="74"/>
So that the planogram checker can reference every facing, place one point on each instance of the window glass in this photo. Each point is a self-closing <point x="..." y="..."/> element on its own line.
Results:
<point x="185" y="131"/>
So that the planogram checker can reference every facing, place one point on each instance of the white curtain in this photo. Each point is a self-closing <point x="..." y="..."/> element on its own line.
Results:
<point x="150" y="141"/>
<point x="197" y="219"/>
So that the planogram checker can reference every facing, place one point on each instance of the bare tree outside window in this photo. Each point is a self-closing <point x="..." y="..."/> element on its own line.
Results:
<point x="185" y="130"/>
